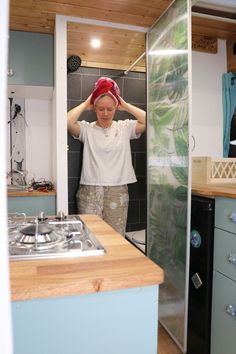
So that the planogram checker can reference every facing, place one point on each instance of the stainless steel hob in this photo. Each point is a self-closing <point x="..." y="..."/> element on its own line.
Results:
<point x="44" y="237"/>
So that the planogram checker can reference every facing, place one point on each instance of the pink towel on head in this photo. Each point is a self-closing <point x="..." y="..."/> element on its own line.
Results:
<point x="105" y="85"/>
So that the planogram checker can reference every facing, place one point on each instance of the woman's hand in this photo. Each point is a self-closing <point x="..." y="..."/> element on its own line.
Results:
<point x="87" y="103"/>
<point x="122" y="106"/>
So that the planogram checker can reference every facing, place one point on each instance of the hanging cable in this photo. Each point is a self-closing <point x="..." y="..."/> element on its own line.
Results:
<point x="10" y="121"/>
<point x="17" y="111"/>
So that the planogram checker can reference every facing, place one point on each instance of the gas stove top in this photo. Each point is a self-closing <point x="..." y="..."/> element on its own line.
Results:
<point x="45" y="237"/>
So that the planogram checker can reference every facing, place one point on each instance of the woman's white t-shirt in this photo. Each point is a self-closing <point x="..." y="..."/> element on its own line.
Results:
<point x="107" y="159"/>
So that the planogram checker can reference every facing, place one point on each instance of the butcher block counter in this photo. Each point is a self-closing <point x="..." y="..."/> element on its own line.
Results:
<point x="227" y="190"/>
<point x="29" y="193"/>
<point x="122" y="266"/>
<point x="99" y="304"/>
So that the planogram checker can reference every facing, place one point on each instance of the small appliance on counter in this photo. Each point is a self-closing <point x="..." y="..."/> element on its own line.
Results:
<point x="45" y="237"/>
<point x="42" y="184"/>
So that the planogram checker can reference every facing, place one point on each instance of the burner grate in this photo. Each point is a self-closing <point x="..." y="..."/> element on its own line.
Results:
<point x="53" y="237"/>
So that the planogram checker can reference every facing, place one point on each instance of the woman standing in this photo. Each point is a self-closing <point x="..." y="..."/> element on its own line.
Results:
<point x="107" y="161"/>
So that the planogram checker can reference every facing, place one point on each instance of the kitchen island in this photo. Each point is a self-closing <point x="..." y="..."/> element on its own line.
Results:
<point x="106" y="304"/>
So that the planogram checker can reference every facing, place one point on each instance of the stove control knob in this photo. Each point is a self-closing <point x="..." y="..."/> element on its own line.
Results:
<point x="42" y="216"/>
<point x="61" y="215"/>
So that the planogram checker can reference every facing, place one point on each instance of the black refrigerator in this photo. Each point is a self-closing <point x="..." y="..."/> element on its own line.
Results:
<point x="200" y="275"/>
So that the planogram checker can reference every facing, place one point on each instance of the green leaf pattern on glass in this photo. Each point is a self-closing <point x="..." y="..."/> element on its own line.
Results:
<point x="168" y="102"/>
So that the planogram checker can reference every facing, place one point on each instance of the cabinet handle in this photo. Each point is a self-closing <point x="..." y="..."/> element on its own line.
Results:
<point x="232" y="217"/>
<point x="232" y="258"/>
<point x="230" y="310"/>
<point x="194" y="143"/>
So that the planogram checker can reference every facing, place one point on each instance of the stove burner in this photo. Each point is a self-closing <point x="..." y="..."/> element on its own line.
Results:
<point x="43" y="232"/>
<point x="50" y="237"/>
<point x="31" y="229"/>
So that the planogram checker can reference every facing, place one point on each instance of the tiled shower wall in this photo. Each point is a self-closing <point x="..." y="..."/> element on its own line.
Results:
<point x="133" y="90"/>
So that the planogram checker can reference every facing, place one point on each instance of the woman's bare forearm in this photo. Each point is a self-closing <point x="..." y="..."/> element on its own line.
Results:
<point x="138" y="113"/>
<point x="74" y="114"/>
<point x="72" y="118"/>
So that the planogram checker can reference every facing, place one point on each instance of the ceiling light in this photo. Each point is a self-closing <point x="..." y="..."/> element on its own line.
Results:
<point x="95" y="43"/>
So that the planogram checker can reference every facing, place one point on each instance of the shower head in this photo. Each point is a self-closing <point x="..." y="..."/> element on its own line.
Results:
<point x="73" y="63"/>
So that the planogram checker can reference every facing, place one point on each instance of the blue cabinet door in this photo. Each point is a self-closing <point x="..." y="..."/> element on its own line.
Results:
<point x="32" y="206"/>
<point x="115" y="322"/>
<point x="31" y="58"/>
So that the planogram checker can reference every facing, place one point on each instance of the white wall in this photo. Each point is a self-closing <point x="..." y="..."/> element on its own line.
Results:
<point x="60" y="114"/>
<point x="207" y="110"/>
<point x="38" y="115"/>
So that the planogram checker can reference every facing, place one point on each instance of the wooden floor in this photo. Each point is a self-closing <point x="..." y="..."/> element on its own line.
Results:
<point x="166" y="345"/>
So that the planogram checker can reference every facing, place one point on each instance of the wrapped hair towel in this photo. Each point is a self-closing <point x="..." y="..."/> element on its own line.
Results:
<point x="105" y="85"/>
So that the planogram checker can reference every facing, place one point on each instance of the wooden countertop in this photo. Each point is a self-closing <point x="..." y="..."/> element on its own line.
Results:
<point x="215" y="190"/>
<point x="26" y="193"/>
<point x="122" y="266"/>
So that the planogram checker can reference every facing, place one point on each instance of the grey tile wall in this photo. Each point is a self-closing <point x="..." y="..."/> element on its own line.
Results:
<point x="133" y="89"/>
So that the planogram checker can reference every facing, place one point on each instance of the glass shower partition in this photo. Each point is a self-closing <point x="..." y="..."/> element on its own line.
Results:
<point x="168" y="111"/>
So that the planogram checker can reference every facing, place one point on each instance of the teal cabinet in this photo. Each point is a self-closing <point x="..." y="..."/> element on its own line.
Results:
<point x="115" y="322"/>
<point x="31" y="57"/>
<point x="225" y="253"/>
<point x="225" y="214"/>
<point x="32" y="205"/>
<point x="223" y="339"/>
<point x="223" y="320"/>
